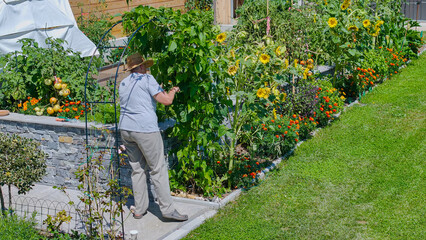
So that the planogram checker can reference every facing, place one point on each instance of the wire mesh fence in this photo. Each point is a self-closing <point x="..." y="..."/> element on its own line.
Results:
<point x="39" y="209"/>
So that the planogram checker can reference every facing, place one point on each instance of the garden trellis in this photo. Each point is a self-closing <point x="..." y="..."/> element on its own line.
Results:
<point x="113" y="145"/>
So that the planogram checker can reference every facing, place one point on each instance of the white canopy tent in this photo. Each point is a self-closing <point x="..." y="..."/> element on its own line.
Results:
<point x="40" y="19"/>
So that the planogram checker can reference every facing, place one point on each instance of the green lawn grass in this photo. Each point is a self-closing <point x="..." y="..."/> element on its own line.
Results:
<point x="360" y="178"/>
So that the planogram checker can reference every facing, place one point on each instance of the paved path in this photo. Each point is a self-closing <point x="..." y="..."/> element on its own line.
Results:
<point x="47" y="200"/>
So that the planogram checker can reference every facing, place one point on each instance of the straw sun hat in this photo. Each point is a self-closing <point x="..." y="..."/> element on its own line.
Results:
<point x="136" y="60"/>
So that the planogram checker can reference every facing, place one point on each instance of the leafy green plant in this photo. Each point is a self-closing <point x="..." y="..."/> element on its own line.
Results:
<point x="102" y="195"/>
<point x="22" y="163"/>
<point x="54" y="222"/>
<point x="182" y="46"/>
<point x="43" y="73"/>
<point x="199" y="4"/>
<point x="14" y="227"/>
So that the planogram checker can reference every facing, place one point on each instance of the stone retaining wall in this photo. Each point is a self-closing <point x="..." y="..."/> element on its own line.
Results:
<point x="65" y="144"/>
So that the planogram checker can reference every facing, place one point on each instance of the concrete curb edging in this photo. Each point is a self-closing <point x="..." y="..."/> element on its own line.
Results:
<point x="191" y="225"/>
<point x="186" y="228"/>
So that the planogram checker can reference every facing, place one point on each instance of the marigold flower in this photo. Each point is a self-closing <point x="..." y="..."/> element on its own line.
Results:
<point x="332" y="22"/>
<point x="221" y="37"/>
<point x="34" y="101"/>
<point x="264" y="58"/>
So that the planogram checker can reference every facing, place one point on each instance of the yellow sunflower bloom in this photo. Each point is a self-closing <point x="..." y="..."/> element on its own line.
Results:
<point x="267" y="92"/>
<point x="284" y="97"/>
<point x="275" y="91"/>
<point x="261" y="93"/>
<point x="278" y="51"/>
<point x="366" y="23"/>
<point x="332" y="22"/>
<point x="286" y="63"/>
<point x="232" y="53"/>
<point x="344" y="6"/>
<point x="353" y="28"/>
<point x="232" y="70"/>
<point x="221" y="37"/>
<point x="376" y="33"/>
<point x="264" y="58"/>
<point x="379" y="23"/>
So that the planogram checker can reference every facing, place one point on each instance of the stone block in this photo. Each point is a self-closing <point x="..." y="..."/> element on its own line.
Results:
<point x="65" y="139"/>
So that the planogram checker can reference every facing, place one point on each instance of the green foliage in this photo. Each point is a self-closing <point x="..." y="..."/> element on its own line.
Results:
<point x="291" y="26"/>
<point x="199" y="4"/>
<point x="54" y="222"/>
<point x="376" y="60"/>
<point x="100" y="205"/>
<point x="342" y="183"/>
<point x="31" y="73"/>
<point x="104" y="113"/>
<point x="22" y="162"/>
<point x="182" y="46"/>
<point x="13" y="227"/>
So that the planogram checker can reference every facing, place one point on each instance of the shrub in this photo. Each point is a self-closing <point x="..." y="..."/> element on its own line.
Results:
<point x="13" y="227"/>
<point x="22" y="163"/>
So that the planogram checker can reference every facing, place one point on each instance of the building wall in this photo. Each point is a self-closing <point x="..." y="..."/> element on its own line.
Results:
<point x="114" y="7"/>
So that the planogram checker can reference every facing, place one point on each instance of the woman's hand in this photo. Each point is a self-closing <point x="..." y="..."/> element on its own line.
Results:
<point x="176" y="89"/>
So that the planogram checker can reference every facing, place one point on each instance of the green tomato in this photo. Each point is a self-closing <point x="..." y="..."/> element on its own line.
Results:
<point x="37" y="109"/>
<point x="39" y="113"/>
<point x="47" y="81"/>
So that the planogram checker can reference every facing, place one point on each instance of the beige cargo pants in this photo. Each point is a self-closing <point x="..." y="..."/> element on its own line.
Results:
<point x="146" y="153"/>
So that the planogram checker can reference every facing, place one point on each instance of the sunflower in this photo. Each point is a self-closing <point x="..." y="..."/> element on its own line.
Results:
<point x="332" y="22"/>
<point x="286" y="63"/>
<point x="232" y="53"/>
<point x="264" y="58"/>
<point x="232" y="70"/>
<point x="267" y="92"/>
<point x="376" y="33"/>
<point x="261" y="93"/>
<point x="275" y="91"/>
<point x="353" y="28"/>
<point x="344" y="6"/>
<point x="366" y="23"/>
<point x="379" y="23"/>
<point x="221" y="37"/>
<point x="284" y="97"/>
<point x="278" y="51"/>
